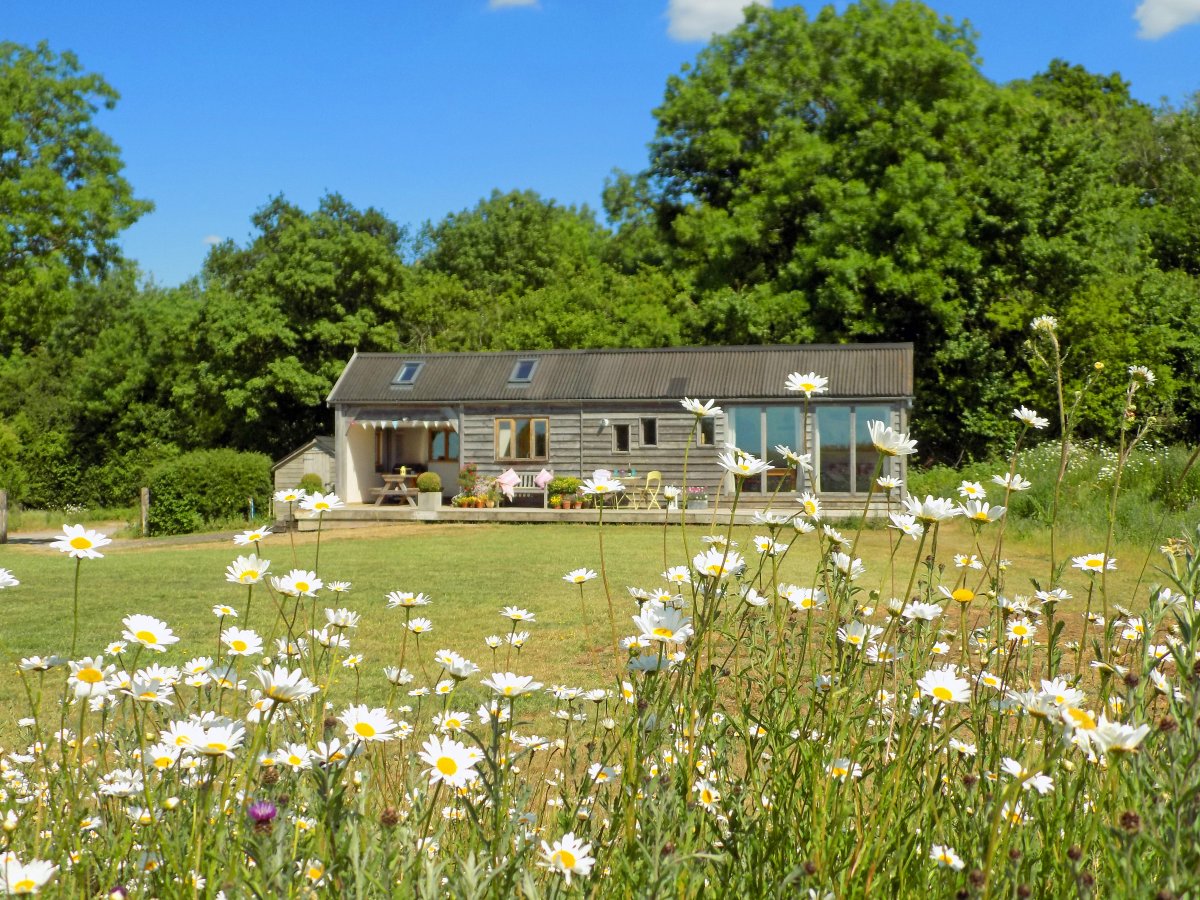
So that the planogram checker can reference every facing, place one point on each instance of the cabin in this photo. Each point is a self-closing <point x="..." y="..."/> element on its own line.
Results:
<point x="314" y="458"/>
<point x="575" y="411"/>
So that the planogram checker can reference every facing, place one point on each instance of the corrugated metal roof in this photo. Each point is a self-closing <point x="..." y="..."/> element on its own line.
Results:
<point x="853" y="370"/>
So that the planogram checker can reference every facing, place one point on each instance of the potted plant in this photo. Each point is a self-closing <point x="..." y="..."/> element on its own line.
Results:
<point x="696" y="497"/>
<point x="467" y="476"/>
<point x="429" y="491"/>
<point x="556" y="501"/>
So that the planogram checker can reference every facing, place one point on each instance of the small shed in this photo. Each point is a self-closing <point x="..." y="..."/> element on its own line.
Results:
<point x="316" y="457"/>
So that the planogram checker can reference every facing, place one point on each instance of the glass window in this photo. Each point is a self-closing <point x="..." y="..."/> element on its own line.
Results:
<point x="381" y="450"/>
<point x="621" y="438"/>
<point x="649" y="432"/>
<point x="523" y="438"/>
<point x="522" y="372"/>
<point x="708" y="431"/>
<point x="833" y="448"/>
<point x="747" y="428"/>
<point x="443" y="446"/>
<point x="865" y="454"/>
<point x="407" y="373"/>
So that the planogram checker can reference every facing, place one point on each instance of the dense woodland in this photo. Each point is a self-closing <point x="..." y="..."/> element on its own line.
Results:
<point x="843" y="177"/>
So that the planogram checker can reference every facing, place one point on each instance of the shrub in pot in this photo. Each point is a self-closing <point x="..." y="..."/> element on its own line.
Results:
<point x="429" y="483"/>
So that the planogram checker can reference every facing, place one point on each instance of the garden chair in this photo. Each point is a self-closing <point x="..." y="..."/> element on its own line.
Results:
<point x="649" y="494"/>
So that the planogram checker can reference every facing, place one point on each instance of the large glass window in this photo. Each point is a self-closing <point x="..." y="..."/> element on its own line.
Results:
<point x="845" y="465"/>
<point x="833" y="441"/>
<point x="758" y="430"/>
<point x="522" y="438"/>
<point x="865" y="454"/>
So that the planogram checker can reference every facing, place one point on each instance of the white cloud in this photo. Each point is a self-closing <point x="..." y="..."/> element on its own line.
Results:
<point x="212" y="239"/>
<point x="502" y="4"/>
<point x="698" y="20"/>
<point x="1159" y="18"/>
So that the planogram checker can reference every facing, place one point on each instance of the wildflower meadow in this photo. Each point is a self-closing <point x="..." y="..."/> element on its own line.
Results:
<point x="933" y="720"/>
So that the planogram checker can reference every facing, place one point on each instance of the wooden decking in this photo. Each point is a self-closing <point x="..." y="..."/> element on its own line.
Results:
<point x="358" y="513"/>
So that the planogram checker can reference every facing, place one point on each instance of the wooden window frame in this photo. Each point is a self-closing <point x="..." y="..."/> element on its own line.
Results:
<point x="642" y="431"/>
<point x="628" y="437"/>
<point x="512" y="420"/>
<point x="433" y="436"/>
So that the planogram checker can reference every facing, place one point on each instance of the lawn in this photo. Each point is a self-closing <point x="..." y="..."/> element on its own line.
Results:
<point x="469" y="571"/>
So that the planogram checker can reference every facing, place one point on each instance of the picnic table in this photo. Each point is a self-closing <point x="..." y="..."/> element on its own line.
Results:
<point x="397" y="487"/>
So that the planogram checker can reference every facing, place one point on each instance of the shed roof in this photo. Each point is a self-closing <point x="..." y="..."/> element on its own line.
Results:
<point x="723" y="373"/>
<point x="322" y="442"/>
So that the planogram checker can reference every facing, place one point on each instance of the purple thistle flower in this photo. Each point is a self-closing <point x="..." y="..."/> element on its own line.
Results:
<point x="262" y="812"/>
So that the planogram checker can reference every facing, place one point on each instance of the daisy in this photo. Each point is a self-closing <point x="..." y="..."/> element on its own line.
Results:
<point x="406" y="600"/>
<point x="283" y="686"/>
<point x="341" y="618"/>
<point x="600" y="483"/>
<point x="568" y="856"/>
<point x="852" y="569"/>
<point x="247" y="569"/>
<point x="962" y="594"/>
<point x="889" y="442"/>
<point x="1029" y="418"/>
<point x="926" y="612"/>
<point x="664" y="625"/>
<point x="365" y="724"/>
<point x="148" y="631"/>
<point x="678" y="575"/>
<point x="318" y="503"/>
<point x="1143" y="373"/>
<point x="945" y="856"/>
<point x="297" y="757"/>
<point x="980" y="511"/>
<point x="509" y="685"/>
<point x="1021" y="629"/>
<point x="80" y="542"/>
<point x="451" y="721"/>
<point x="700" y="409"/>
<point x="907" y="525"/>
<point x="251" y="537"/>
<point x="809" y="384"/>
<point x="517" y="614"/>
<point x="17" y="877"/>
<point x="241" y="641"/>
<point x="298" y="583"/>
<point x="1012" y="482"/>
<point x="792" y="458"/>
<point x="841" y="769"/>
<point x="888" y="482"/>
<point x="222" y="610"/>
<point x="456" y="666"/>
<point x="1114" y="737"/>
<point x="420" y="625"/>
<point x="707" y="796"/>
<point x="579" y="576"/>
<point x="7" y="580"/>
<point x="717" y="563"/>
<point x="803" y="598"/>
<point x="944" y="686"/>
<point x="1093" y="563"/>
<point x="449" y="761"/>
<point x="742" y="464"/>
<point x="294" y="495"/>
<point x="218" y="740"/>
<point x="810" y="504"/>
<point x="339" y="587"/>
<point x="931" y="510"/>
<point x="972" y="490"/>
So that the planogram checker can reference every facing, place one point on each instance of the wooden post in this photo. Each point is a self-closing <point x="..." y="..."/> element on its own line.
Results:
<point x="145" y="512"/>
<point x="3" y="517"/>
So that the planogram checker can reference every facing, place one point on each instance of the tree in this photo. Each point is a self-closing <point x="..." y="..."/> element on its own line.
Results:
<point x="281" y="317"/>
<point x="63" y="200"/>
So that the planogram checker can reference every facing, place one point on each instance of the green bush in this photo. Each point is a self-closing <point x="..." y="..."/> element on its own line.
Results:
<point x="429" y="483"/>
<point x="207" y="486"/>
<point x="311" y="483"/>
<point x="563" y="485"/>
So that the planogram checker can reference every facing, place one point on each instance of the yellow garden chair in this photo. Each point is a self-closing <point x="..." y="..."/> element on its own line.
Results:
<point x="649" y="493"/>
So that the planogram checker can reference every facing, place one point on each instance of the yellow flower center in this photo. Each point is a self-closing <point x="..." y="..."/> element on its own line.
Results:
<point x="217" y="746"/>
<point x="25" y="885"/>
<point x="146" y="637"/>
<point x="80" y="543"/>
<point x="446" y="765"/>
<point x="315" y="873"/>
<point x="564" y="858"/>
<point x="810" y="507"/>
<point x="302" y="586"/>
<point x="1094" y="563"/>
<point x="163" y="762"/>
<point x="963" y="595"/>
<point x="294" y="760"/>
<point x="839" y="772"/>
<point x="364" y="729"/>
<point x="943" y="693"/>
<point x="1020" y="630"/>
<point x="249" y="575"/>
<point x="1082" y="719"/>
<point x="239" y="645"/>
<point x="663" y="632"/>
<point x="90" y="675"/>
<point x="508" y="690"/>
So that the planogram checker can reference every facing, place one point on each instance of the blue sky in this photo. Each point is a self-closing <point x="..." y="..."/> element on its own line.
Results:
<point x="422" y="107"/>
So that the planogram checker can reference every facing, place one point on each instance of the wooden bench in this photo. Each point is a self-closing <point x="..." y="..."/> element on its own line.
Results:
<point x="527" y="486"/>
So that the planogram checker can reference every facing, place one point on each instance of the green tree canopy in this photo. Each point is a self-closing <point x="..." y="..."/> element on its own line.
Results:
<point x="63" y="200"/>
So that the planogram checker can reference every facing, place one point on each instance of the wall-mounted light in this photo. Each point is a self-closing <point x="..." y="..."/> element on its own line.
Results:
<point x="604" y="423"/>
